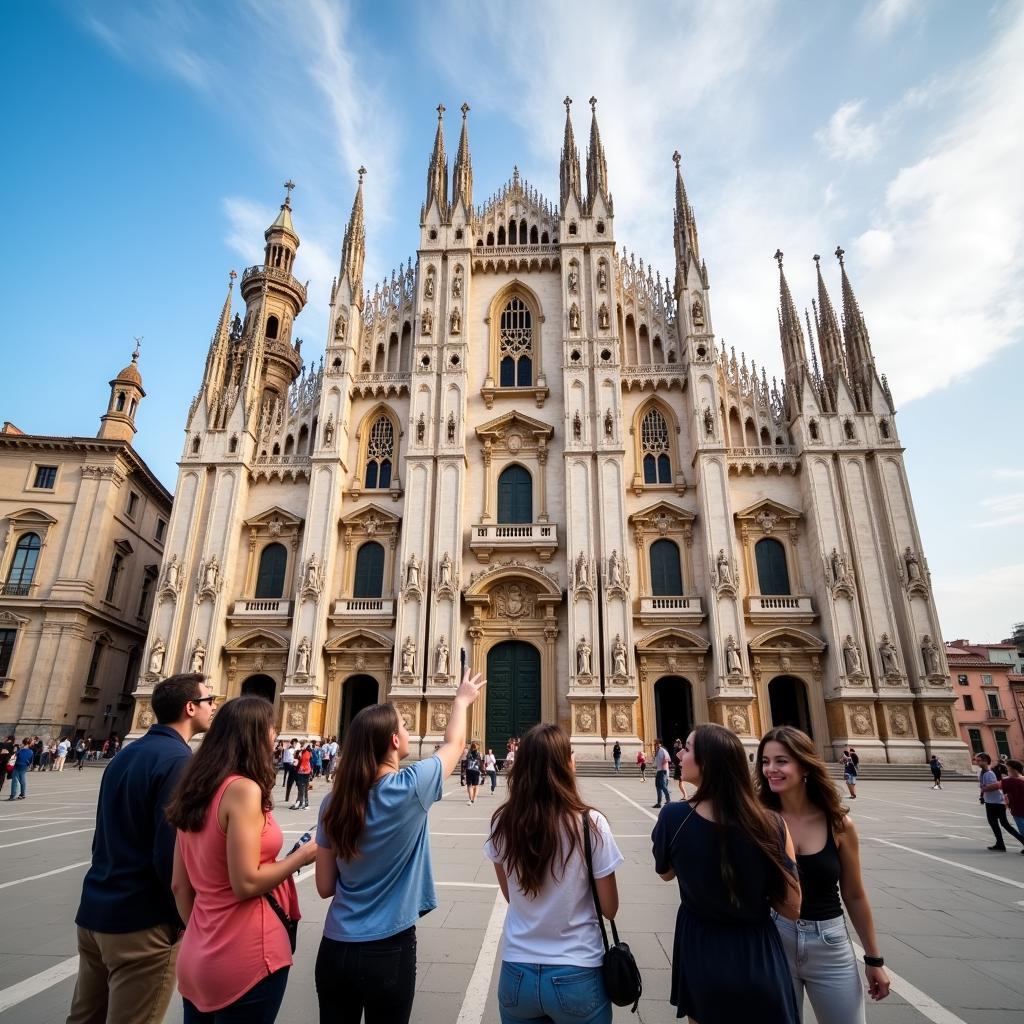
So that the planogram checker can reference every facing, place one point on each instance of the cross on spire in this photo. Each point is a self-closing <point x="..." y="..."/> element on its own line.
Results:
<point x="289" y="185"/>
<point x="138" y="346"/>
<point x="568" y="103"/>
<point x="840" y="253"/>
<point x="677" y="158"/>
<point x="593" y="103"/>
<point x="440" y="111"/>
<point x="778" y="257"/>
<point x="231" y="282"/>
<point x="362" y="173"/>
<point x="465" y="110"/>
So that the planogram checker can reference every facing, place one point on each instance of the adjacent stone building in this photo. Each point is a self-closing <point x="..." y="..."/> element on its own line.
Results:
<point x="528" y="447"/>
<point x="988" y="711"/>
<point x="82" y="528"/>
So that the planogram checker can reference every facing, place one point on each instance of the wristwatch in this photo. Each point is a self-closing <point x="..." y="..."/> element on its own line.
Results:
<point x="874" y="961"/>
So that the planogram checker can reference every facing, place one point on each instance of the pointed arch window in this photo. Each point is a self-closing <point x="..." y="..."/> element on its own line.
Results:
<point x="666" y="574"/>
<point x="270" y="578"/>
<point x="654" y="444"/>
<point x="515" y="345"/>
<point x="515" y="496"/>
<point x="380" y="453"/>
<point x="369" y="581"/>
<point x="772" y="573"/>
<point x="23" y="565"/>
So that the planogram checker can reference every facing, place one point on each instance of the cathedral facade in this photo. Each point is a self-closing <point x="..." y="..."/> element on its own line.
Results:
<point x="528" y="453"/>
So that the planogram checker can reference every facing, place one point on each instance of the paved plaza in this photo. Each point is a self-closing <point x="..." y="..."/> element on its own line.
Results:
<point x="949" y="913"/>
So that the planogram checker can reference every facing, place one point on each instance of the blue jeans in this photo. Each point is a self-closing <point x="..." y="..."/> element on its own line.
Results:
<point x="552" y="994"/>
<point x="661" y="786"/>
<point x="257" y="1006"/>
<point x="823" y="965"/>
<point x="618" y="764"/>
<point x="17" y="779"/>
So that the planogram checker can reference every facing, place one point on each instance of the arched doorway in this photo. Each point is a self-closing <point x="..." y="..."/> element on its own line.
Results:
<point x="788" y="698"/>
<point x="513" y="692"/>
<point x="358" y="692"/>
<point x="673" y="706"/>
<point x="260" y="686"/>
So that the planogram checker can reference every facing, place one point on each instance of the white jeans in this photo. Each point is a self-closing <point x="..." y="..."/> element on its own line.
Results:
<point x="822" y="964"/>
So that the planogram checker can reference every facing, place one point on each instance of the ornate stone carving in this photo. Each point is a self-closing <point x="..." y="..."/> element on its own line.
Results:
<point x="621" y="719"/>
<point x="447" y="580"/>
<point x="583" y="656"/>
<point x="737" y="717"/>
<point x="586" y="718"/>
<point x="889" y="657"/>
<point x="514" y="601"/>
<point x="439" y="715"/>
<point x="412" y="572"/>
<point x="709" y="421"/>
<point x="408" y="657"/>
<point x="899" y="722"/>
<point x="911" y="571"/>
<point x="441" y="657"/>
<point x="407" y="712"/>
<point x="457" y="283"/>
<point x="603" y="318"/>
<point x="618" y="574"/>
<point x="577" y="427"/>
<point x="156" y="656"/>
<point x="582" y="571"/>
<point x="302" y="657"/>
<point x="942" y="722"/>
<point x="208" y="582"/>
<point x="862" y="721"/>
<point x="339" y="328"/>
<point x="421" y="428"/>
<point x="513" y="563"/>
<point x="619" y="657"/>
<point x="609" y="423"/>
<point x="450" y="428"/>
<point x="851" y="658"/>
<point x="697" y="313"/>
<point x="455" y="325"/>
<point x="733" y="661"/>
<point x="428" y="284"/>
<point x="574" y="317"/>
<point x="198" y="656"/>
<point x="426" y="322"/>
<point x="329" y="429"/>
<point x="838" y="574"/>
<point x="146" y="716"/>
<point x="312" y="583"/>
<point x="295" y="716"/>
<point x="602" y="277"/>
<point x="930" y="653"/>
<point x="766" y="519"/>
<point x="573" y="278"/>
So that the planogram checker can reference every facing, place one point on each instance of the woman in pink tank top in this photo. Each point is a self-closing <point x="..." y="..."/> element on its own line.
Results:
<point x="234" y="958"/>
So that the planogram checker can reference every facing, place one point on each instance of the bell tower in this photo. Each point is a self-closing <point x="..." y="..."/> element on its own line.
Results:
<point x="118" y="422"/>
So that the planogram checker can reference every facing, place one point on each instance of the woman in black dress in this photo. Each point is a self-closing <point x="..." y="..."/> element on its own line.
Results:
<point x="734" y="862"/>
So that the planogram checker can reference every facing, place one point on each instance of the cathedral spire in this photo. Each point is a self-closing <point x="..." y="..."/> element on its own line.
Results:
<point x="830" y="341"/>
<point x="859" y="359"/>
<point x="462" y="175"/>
<point x="437" y="172"/>
<point x="686" y="242"/>
<point x="216" y="358"/>
<point x="569" y="167"/>
<point x="353" y="247"/>
<point x="597" y="166"/>
<point x="794" y="351"/>
<point x="281" y="237"/>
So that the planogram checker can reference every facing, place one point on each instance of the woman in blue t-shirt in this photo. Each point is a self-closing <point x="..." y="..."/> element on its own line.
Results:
<point x="373" y="862"/>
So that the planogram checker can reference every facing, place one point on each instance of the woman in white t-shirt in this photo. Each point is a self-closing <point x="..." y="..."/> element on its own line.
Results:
<point x="491" y="767"/>
<point x="552" y="950"/>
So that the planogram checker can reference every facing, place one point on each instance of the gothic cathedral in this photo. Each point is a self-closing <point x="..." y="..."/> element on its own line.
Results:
<point x="527" y="452"/>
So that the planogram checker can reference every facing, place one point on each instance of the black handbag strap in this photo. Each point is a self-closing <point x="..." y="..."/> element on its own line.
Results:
<point x="593" y="885"/>
<point x="287" y="921"/>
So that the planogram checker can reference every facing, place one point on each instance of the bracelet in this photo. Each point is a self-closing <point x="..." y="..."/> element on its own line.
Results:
<point x="874" y="961"/>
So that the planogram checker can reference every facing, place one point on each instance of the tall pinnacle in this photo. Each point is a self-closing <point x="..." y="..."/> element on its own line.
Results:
<point x="219" y="343"/>
<point x="569" y="167"/>
<point x="682" y="204"/>
<point x="859" y="359"/>
<point x="462" y="175"/>
<point x="830" y="341"/>
<point x="687" y="244"/>
<point x="353" y="247"/>
<point x="437" y="172"/>
<point x="597" y="166"/>
<point x="794" y="351"/>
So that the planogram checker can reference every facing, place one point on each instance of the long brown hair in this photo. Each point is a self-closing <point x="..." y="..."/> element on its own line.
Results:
<point x="363" y="750"/>
<point x="238" y="743"/>
<point x="543" y="806"/>
<point x="725" y="783"/>
<point x="820" y="791"/>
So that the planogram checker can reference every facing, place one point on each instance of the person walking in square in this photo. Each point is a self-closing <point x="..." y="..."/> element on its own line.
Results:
<point x="228" y="883"/>
<point x="491" y="767"/>
<point x="128" y="924"/>
<point x="303" y="773"/>
<point x="995" y="804"/>
<point x="850" y="773"/>
<point x="552" y="950"/>
<point x="22" y="765"/>
<point x="1013" y="789"/>
<point x="793" y="780"/>
<point x="471" y="767"/>
<point x="63" y="749"/>
<point x="81" y="752"/>
<point x="8" y="758"/>
<point x="662" y="763"/>
<point x="641" y="763"/>
<point x="936" y="766"/>
<point x="733" y="860"/>
<point x="288" y="767"/>
<point x="373" y="862"/>
<point x="617" y="756"/>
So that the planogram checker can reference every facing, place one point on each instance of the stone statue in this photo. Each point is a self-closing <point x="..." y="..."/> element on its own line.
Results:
<point x="574" y="317"/>
<point x="836" y="565"/>
<point x="457" y="286"/>
<point x="602" y="278"/>
<point x="851" y="655"/>
<point x="733" y="664"/>
<point x="412" y="572"/>
<point x="302" y="659"/>
<point x="582" y="570"/>
<point x="421" y="429"/>
<point x="156" y="656"/>
<point x="618" y="656"/>
<point x="446" y="570"/>
<point x="339" y="328"/>
<point x="456" y="321"/>
<point x="408" y="656"/>
<point x="198" y="656"/>
<point x="574" y="278"/>
<point x="451" y="428"/>
<point x="603" y="319"/>
<point x="697" y="313"/>
<point x="577" y="427"/>
<point x="609" y="424"/>
<point x="887" y="650"/>
<point x="583" y="652"/>
<point x="723" y="568"/>
<point x="931" y="655"/>
<point x="210" y="573"/>
<point x="428" y="287"/>
<point x="615" y="569"/>
<point x="913" y="565"/>
<point x="313" y="572"/>
<point x="171" y="574"/>
<point x="442" y="657"/>
<point x="709" y="421"/>
<point x="427" y="321"/>
<point x="329" y="429"/>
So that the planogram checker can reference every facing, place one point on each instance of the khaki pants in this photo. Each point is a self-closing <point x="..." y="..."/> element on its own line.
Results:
<point x="124" y="979"/>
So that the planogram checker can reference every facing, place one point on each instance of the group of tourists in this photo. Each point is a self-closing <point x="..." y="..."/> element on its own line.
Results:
<point x="301" y="763"/>
<point x="33" y="754"/>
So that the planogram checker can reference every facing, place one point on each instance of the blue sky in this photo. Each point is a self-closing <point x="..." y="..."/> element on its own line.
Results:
<point x="152" y="141"/>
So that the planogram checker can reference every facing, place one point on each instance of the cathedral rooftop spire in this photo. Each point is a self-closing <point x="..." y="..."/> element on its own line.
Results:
<point x="569" y="167"/>
<point x="687" y="244"/>
<point x="462" y="174"/>
<point x="830" y="341"/>
<point x="353" y="246"/>
<point x="597" y="165"/>
<point x="794" y="351"/>
<point x="859" y="359"/>
<point x="437" y="171"/>
<point x="283" y="221"/>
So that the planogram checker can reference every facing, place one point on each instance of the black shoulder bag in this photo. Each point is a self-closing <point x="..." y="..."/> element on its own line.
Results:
<point x="621" y="975"/>
<point x="291" y="926"/>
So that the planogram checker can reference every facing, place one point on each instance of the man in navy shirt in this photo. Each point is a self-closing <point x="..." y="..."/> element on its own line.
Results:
<point x="128" y="927"/>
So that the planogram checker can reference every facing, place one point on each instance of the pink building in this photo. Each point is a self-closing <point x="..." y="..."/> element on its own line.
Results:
<point x="986" y="710"/>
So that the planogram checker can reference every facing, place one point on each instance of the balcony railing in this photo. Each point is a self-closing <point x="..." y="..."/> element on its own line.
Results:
<point x="768" y="608"/>
<point x="667" y="610"/>
<point x="997" y="713"/>
<point x="365" y="610"/>
<point x="262" y="608"/>
<point x="541" y="538"/>
<point x="763" y="459"/>
<point x="16" y="589"/>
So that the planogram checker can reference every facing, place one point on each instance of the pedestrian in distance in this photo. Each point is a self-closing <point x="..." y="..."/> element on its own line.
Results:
<point x="22" y="766"/>
<point x="995" y="804"/>
<point x="617" y="756"/>
<point x="8" y="758"/>
<point x="491" y="767"/>
<point x="662" y="763"/>
<point x="677" y="749"/>
<point x="81" y="753"/>
<point x="228" y="884"/>
<point x="510" y="760"/>
<point x="850" y="773"/>
<point x="471" y="768"/>
<point x="733" y="860"/>
<point x="128" y="924"/>
<point x="793" y="780"/>
<point x="641" y="763"/>
<point x="552" y="950"/>
<point x="1013" y="789"/>
<point x="936" y="766"/>
<point x="303" y="773"/>
<point x="373" y="862"/>
<point x="288" y="766"/>
<point x="317" y="755"/>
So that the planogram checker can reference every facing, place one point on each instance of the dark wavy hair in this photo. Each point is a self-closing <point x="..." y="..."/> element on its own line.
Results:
<point x="820" y="791"/>
<point x="238" y="743"/>
<point x="539" y="826"/>
<point x="363" y="751"/>
<point x="726" y="784"/>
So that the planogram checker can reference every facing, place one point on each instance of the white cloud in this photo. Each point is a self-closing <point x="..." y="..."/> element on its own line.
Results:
<point x="1006" y="473"/>
<point x="847" y="136"/>
<point x="983" y="604"/>
<point x="1004" y="510"/>
<point x="885" y="16"/>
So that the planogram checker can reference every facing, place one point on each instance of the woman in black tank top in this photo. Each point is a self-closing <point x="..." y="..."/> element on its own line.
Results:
<point x="792" y="779"/>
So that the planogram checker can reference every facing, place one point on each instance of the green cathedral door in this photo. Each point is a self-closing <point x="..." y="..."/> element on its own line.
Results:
<point x="513" y="693"/>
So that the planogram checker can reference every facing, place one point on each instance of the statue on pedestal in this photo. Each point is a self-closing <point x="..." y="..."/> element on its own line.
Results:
<point x="408" y="656"/>
<point x="583" y="652"/>
<point x="618" y="656"/>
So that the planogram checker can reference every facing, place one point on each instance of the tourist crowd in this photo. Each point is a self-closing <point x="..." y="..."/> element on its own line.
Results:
<point x="187" y="887"/>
